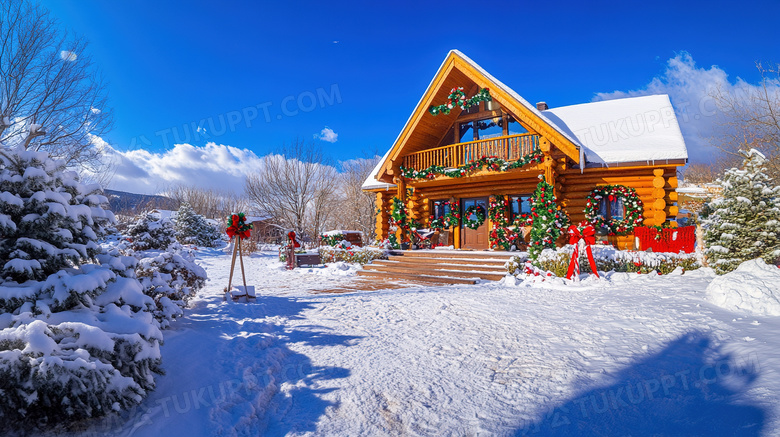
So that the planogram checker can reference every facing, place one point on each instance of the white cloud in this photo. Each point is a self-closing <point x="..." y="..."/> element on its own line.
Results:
<point x="67" y="55"/>
<point x="211" y="166"/>
<point x="327" y="134"/>
<point x="690" y="88"/>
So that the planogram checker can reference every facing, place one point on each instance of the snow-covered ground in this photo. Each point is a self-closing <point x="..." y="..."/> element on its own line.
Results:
<point x="624" y="355"/>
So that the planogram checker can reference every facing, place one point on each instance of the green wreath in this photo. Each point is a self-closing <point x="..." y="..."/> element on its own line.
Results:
<point x="631" y="201"/>
<point x="479" y="213"/>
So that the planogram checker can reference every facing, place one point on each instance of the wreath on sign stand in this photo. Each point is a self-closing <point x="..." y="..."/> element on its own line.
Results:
<point x="238" y="227"/>
<point x="448" y="220"/>
<point x="478" y="211"/>
<point x="631" y="202"/>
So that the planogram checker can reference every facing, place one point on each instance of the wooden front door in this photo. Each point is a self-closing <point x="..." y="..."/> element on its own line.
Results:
<point x="474" y="238"/>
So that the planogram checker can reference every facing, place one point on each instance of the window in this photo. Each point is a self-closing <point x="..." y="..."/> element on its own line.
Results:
<point x="612" y="209"/>
<point x="439" y="208"/>
<point x="466" y="132"/>
<point x="519" y="205"/>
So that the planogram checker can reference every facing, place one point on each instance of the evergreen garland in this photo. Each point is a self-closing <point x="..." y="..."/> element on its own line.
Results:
<point x="744" y="223"/>
<point x="502" y="235"/>
<point x="492" y="163"/>
<point x="458" y="99"/>
<point x="547" y="221"/>
<point x="448" y="220"/>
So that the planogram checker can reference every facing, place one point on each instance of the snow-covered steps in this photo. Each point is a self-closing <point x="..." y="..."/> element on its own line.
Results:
<point x="450" y="267"/>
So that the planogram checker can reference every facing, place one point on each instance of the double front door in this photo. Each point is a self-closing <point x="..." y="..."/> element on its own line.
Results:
<point x="474" y="238"/>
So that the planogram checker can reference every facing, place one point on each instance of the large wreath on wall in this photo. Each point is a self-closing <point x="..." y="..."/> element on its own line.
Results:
<point x="448" y="220"/>
<point x="631" y="202"/>
<point x="458" y="99"/>
<point x="478" y="211"/>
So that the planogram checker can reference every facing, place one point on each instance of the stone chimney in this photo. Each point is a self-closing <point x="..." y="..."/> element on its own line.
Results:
<point x="542" y="106"/>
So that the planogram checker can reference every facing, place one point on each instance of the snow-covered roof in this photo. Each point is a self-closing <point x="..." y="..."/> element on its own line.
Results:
<point x="624" y="130"/>
<point x="607" y="132"/>
<point x="518" y="98"/>
<point x="371" y="183"/>
<point x="342" y="232"/>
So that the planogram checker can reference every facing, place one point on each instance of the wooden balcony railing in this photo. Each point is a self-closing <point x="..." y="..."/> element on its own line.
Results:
<point x="509" y="148"/>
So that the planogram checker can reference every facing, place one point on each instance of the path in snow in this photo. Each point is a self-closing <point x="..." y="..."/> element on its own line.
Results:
<point x="633" y="354"/>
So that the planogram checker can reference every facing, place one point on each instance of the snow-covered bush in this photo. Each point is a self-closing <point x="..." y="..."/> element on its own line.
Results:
<point x="331" y="240"/>
<point x="170" y="279"/>
<point x="193" y="228"/>
<point x="360" y="255"/>
<point x="77" y="338"/>
<point x="151" y="231"/>
<point x="607" y="259"/>
<point x="744" y="223"/>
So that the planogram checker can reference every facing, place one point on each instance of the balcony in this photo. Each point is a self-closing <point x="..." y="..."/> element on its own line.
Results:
<point x="509" y="148"/>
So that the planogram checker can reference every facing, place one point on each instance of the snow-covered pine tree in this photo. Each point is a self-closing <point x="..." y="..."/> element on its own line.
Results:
<point x="77" y="337"/>
<point x="547" y="221"/>
<point x="151" y="231"/>
<point x="744" y="222"/>
<point x="193" y="228"/>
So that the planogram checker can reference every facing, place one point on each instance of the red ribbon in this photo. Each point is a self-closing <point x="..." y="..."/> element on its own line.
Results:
<point x="589" y="236"/>
<point x="291" y="236"/>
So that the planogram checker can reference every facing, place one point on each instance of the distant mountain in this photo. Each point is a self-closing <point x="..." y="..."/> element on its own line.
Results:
<point x="122" y="202"/>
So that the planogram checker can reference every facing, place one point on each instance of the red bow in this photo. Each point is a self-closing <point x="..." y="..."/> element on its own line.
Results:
<point x="589" y="236"/>
<point x="291" y="236"/>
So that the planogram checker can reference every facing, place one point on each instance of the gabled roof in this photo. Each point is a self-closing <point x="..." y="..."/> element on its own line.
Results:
<point x="613" y="131"/>
<point x="624" y="130"/>
<point x="423" y="130"/>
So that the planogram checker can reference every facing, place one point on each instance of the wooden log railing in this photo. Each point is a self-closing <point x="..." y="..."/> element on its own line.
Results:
<point x="509" y="148"/>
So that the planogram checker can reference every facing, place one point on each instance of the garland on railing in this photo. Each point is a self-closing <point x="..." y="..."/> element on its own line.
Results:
<point x="492" y="163"/>
<point x="502" y="235"/>
<point x="631" y="202"/>
<point x="448" y="220"/>
<point x="458" y="99"/>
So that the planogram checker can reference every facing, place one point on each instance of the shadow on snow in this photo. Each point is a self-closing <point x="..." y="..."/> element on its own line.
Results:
<point x="688" y="388"/>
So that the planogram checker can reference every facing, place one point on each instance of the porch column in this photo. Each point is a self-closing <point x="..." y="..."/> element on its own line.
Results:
<point x="401" y="195"/>
<point x="456" y="229"/>
<point x="382" y="216"/>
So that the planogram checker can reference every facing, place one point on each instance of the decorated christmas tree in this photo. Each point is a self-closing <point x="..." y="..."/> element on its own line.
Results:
<point x="193" y="228"/>
<point x="744" y="223"/>
<point x="547" y="221"/>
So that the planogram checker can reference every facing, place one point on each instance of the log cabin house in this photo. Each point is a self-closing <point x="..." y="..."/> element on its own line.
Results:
<point x="634" y="142"/>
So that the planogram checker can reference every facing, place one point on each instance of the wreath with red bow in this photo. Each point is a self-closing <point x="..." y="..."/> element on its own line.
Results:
<point x="631" y="202"/>
<point x="238" y="227"/>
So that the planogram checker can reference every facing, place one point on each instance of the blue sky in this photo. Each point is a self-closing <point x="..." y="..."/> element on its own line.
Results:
<point x="171" y="64"/>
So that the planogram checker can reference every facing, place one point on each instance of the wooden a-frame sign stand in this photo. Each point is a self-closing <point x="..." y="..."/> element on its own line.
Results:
<point x="228" y="290"/>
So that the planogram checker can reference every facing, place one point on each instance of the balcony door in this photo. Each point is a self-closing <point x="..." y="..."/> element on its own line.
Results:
<point x="476" y="239"/>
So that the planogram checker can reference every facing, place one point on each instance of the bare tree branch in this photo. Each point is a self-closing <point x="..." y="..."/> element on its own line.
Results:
<point x="49" y="87"/>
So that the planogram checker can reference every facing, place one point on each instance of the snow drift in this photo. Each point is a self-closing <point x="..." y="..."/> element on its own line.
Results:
<point x="754" y="287"/>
